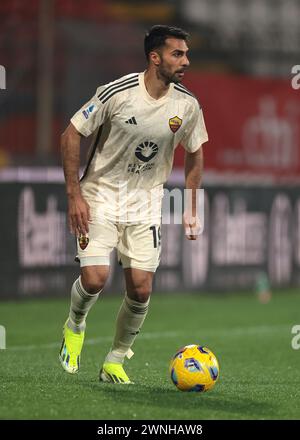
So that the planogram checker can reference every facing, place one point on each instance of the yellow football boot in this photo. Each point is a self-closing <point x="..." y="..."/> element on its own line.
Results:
<point x="113" y="373"/>
<point x="69" y="354"/>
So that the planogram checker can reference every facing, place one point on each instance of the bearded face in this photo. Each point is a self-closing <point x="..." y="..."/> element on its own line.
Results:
<point x="172" y="61"/>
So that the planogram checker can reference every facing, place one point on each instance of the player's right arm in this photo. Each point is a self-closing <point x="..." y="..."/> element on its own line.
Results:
<point x="85" y="121"/>
<point x="78" y="208"/>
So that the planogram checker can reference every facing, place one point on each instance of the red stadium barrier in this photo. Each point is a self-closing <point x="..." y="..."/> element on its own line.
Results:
<point x="253" y="125"/>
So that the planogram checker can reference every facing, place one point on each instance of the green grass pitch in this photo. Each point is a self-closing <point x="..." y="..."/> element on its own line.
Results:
<point x="259" y="370"/>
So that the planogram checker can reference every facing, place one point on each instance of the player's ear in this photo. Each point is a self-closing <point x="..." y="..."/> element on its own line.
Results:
<point x="155" y="58"/>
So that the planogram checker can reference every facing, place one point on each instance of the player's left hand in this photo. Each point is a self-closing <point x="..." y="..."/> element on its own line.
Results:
<point x="192" y="226"/>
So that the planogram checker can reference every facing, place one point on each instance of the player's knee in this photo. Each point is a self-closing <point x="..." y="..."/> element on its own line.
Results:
<point x="93" y="281"/>
<point x="140" y="293"/>
<point x="92" y="285"/>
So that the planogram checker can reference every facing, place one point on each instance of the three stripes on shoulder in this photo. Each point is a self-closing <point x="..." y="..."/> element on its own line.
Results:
<point x="128" y="83"/>
<point x="117" y="87"/>
<point x="181" y="88"/>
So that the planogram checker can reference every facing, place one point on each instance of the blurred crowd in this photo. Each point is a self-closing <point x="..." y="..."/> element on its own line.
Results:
<point x="56" y="52"/>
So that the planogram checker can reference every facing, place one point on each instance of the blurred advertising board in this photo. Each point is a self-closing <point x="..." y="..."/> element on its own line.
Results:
<point x="248" y="230"/>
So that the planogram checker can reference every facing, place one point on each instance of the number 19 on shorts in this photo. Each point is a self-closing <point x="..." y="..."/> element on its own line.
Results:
<point x="156" y="235"/>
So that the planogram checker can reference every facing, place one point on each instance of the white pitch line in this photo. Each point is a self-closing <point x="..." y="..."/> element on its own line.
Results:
<point x="237" y="331"/>
<point x="92" y="341"/>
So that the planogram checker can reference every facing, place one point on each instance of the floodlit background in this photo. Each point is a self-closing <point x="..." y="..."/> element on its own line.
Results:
<point x="234" y="290"/>
<point x="56" y="53"/>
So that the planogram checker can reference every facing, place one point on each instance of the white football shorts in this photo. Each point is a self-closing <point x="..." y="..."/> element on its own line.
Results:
<point x="138" y="245"/>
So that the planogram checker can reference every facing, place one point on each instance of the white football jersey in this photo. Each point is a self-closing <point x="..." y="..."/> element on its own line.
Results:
<point x="134" y="138"/>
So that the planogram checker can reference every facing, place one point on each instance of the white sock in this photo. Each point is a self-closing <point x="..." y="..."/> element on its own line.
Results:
<point x="129" y="322"/>
<point x="81" y="303"/>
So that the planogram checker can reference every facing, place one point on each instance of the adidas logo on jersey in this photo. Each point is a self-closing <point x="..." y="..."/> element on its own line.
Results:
<point x="131" y="121"/>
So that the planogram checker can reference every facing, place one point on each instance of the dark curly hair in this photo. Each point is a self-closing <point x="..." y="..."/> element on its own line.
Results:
<point x="157" y="35"/>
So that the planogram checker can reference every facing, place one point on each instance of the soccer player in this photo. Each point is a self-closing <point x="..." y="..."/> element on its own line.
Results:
<point x="136" y="122"/>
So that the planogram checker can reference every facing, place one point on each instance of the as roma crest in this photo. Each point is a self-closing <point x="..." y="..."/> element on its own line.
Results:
<point x="175" y="123"/>
<point x="83" y="241"/>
